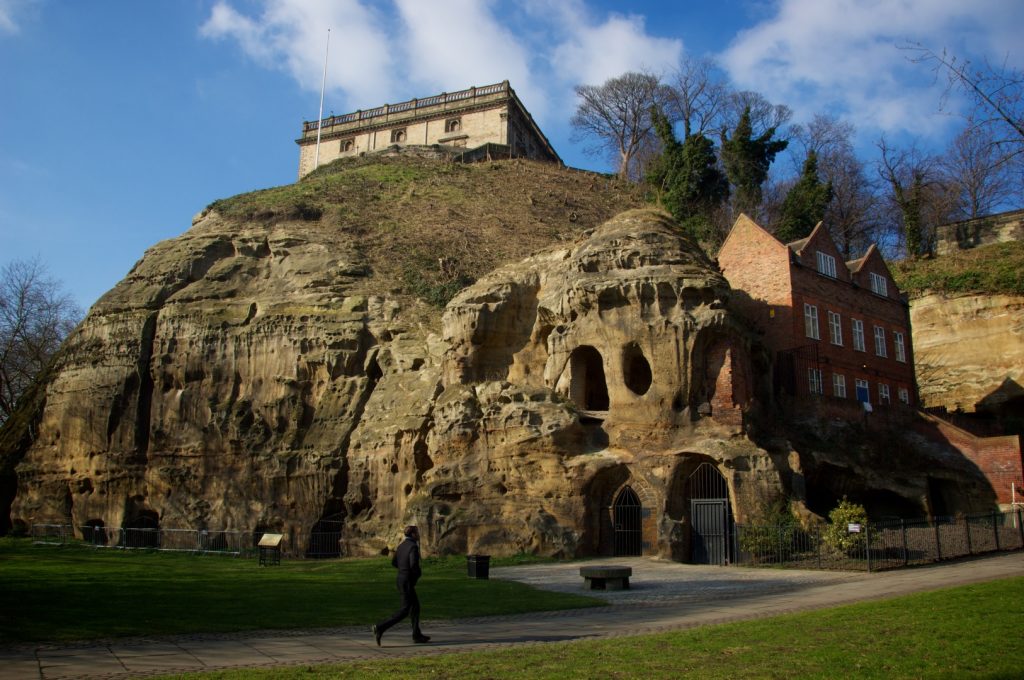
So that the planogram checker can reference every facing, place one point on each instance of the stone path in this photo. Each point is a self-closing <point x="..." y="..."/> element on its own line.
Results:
<point x="663" y="596"/>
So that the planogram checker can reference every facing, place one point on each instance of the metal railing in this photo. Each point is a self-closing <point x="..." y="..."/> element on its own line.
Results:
<point x="888" y="544"/>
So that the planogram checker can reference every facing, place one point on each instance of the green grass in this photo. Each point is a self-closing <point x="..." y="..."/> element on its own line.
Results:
<point x="970" y="631"/>
<point x="993" y="269"/>
<point x="75" y="593"/>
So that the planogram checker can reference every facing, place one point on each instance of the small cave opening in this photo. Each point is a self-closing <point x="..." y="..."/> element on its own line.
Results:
<point x="142" y="530"/>
<point x="588" y="387"/>
<point x="94" y="531"/>
<point x="636" y="370"/>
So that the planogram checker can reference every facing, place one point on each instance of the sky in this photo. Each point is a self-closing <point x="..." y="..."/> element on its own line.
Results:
<point x="121" y="119"/>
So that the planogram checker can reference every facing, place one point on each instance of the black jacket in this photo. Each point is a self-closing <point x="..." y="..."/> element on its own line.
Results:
<point x="407" y="560"/>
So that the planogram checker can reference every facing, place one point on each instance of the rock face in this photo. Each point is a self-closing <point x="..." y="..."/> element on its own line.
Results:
<point x="233" y="381"/>
<point x="969" y="350"/>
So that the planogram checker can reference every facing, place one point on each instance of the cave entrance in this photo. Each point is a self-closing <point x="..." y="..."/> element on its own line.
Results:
<point x="325" y="537"/>
<point x="710" y="516"/>
<point x="143" y="530"/>
<point x="588" y="388"/>
<point x="627" y="515"/>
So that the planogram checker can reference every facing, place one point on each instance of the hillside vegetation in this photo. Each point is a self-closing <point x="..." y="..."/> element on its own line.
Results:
<point x="996" y="269"/>
<point x="427" y="227"/>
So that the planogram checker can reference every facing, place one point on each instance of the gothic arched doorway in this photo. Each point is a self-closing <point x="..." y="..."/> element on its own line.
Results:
<point x="627" y="516"/>
<point x="710" y="516"/>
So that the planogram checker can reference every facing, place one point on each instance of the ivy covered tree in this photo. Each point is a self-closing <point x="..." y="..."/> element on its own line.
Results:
<point x="687" y="178"/>
<point x="746" y="159"/>
<point x="805" y="203"/>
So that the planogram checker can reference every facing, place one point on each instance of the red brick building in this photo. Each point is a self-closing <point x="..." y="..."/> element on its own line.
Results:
<point x="836" y="329"/>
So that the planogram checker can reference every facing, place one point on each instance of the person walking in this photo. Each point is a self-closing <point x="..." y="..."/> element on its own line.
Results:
<point x="407" y="561"/>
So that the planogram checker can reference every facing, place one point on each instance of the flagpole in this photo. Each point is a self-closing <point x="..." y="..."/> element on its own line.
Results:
<point x="320" y="117"/>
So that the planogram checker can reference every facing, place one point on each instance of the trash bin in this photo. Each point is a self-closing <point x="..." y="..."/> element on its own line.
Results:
<point x="478" y="565"/>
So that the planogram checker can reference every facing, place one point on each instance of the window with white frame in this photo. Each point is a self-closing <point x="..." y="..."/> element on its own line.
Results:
<point x="835" y="328"/>
<point x="863" y="392"/>
<point x="858" y="335"/>
<point x="826" y="264"/>
<point x="901" y="348"/>
<point x="814" y="381"/>
<point x="883" y="393"/>
<point x="904" y="395"/>
<point x="839" y="385"/>
<point x="880" y="341"/>
<point x="878" y="284"/>
<point x="811" y="321"/>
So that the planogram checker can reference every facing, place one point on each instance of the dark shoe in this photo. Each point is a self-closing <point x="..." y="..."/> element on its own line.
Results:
<point x="377" y="632"/>
<point x="421" y="639"/>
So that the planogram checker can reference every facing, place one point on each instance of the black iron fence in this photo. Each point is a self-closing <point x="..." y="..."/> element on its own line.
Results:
<point x="888" y="544"/>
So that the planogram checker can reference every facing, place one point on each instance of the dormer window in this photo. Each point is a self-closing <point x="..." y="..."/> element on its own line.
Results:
<point x="453" y="125"/>
<point x="879" y="285"/>
<point x="398" y="136"/>
<point x="826" y="264"/>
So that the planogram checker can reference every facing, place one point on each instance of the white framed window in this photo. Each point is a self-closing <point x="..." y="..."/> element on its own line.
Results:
<point x="863" y="391"/>
<point x="839" y="385"/>
<point x="858" y="335"/>
<point x="880" y="341"/>
<point x="878" y="284"/>
<point x="835" y="328"/>
<point x="826" y="264"/>
<point x="901" y="348"/>
<point x="904" y="395"/>
<point x="883" y="393"/>
<point x="814" y="381"/>
<point x="811" y="321"/>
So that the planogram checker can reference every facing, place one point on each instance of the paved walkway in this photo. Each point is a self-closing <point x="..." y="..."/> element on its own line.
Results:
<point x="663" y="596"/>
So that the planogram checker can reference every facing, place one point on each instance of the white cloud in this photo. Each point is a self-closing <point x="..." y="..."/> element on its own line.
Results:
<point x="592" y="52"/>
<point x="841" y="55"/>
<point x="11" y="12"/>
<point x="291" y="35"/>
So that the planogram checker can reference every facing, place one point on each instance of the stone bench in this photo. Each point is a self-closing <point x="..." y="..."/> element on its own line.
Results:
<point x="606" y="578"/>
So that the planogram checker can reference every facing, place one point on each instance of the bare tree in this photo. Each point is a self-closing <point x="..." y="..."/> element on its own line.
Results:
<point x="764" y="115"/>
<point x="852" y="215"/>
<point x="916" y="196"/>
<point x="997" y="93"/>
<point x="35" y="317"/>
<point x="979" y="177"/>
<point x="698" y="96"/>
<point x="617" y="115"/>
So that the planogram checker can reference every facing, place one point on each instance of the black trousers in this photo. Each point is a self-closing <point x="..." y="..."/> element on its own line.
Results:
<point x="410" y="607"/>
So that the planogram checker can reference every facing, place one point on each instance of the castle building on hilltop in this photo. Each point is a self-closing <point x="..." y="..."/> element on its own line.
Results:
<point x="489" y="118"/>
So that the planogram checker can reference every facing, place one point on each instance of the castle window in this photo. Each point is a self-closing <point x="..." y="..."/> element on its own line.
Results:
<point x="858" y="335"/>
<point x="814" y="381"/>
<point x="879" y="284"/>
<point x="398" y="136"/>
<point x="835" y="328"/>
<point x="453" y="125"/>
<point x="826" y="264"/>
<point x="347" y="145"/>
<point x="880" y="341"/>
<point x="839" y="385"/>
<point x="811" y="321"/>
<point x="901" y="348"/>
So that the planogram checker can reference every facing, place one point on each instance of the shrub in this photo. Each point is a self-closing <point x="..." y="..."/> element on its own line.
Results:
<point x="770" y="539"/>
<point x="837" y="534"/>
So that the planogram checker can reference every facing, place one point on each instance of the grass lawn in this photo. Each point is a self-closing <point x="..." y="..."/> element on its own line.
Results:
<point x="970" y="631"/>
<point x="74" y="593"/>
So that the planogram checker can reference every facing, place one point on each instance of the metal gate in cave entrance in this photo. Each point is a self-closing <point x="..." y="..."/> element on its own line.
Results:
<point x="627" y="514"/>
<point x="710" y="516"/>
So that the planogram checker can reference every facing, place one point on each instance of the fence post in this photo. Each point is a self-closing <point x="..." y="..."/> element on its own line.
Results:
<point x="995" y="529"/>
<point x="938" y="541"/>
<point x="867" y="543"/>
<point x="817" y="543"/>
<point x="967" y="532"/>
<point x="903" y="530"/>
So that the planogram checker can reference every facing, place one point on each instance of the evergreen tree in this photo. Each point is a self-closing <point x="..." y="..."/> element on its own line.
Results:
<point x="746" y="159"/>
<point x="805" y="204"/>
<point x="687" y="177"/>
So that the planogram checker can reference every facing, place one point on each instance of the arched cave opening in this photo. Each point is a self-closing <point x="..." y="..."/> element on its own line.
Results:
<point x="599" y="493"/>
<point x="94" y="531"/>
<point x="627" y="513"/>
<point x="142" y="530"/>
<point x="636" y="369"/>
<point x="325" y="536"/>
<point x="588" y="387"/>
